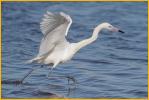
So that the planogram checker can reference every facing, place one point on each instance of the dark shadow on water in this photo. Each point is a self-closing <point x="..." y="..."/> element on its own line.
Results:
<point x="40" y="93"/>
<point x="68" y="89"/>
<point x="16" y="82"/>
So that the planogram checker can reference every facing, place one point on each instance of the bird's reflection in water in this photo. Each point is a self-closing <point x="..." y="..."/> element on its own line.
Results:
<point x="67" y="84"/>
<point x="71" y="90"/>
<point x="68" y="88"/>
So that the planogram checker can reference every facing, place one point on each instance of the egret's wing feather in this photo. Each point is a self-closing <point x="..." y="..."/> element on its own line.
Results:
<point x="54" y="27"/>
<point x="51" y="21"/>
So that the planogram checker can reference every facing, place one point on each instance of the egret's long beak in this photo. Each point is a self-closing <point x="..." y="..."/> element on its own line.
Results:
<point x="121" y="31"/>
<point x="114" y="29"/>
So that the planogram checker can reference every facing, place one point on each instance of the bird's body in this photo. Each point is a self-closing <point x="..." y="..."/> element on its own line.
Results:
<point x="60" y="54"/>
<point x="54" y="47"/>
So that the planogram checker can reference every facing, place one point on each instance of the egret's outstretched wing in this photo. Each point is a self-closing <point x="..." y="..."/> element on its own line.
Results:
<point x="55" y="28"/>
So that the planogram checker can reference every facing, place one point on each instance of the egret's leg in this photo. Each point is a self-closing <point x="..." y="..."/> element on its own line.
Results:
<point x="68" y="77"/>
<point x="50" y="72"/>
<point x="54" y="65"/>
<point x="21" y="81"/>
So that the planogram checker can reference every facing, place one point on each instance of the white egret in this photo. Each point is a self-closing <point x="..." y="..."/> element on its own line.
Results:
<point x="54" y="48"/>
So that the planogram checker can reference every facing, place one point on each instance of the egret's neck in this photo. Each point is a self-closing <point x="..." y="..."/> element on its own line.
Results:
<point x="85" y="42"/>
<point x="95" y="33"/>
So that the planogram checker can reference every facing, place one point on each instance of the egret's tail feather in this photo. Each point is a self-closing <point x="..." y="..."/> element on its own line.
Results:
<point x="33" y="60"/>
<point x="29" y="61"/>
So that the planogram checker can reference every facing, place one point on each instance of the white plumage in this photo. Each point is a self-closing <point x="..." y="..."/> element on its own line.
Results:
<point x="54" y="47"/>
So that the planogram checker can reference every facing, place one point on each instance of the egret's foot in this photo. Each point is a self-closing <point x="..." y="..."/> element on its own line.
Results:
<point x="71" y="78"/>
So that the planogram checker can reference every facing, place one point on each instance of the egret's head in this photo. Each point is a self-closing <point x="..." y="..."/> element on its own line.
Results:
<point x="111" y="28"/>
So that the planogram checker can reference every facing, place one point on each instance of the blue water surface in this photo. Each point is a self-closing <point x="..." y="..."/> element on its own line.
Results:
<point x="115" y="66"/>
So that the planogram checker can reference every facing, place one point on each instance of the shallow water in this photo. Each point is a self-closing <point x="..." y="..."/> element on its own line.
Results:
<point x="113" y="66"/>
